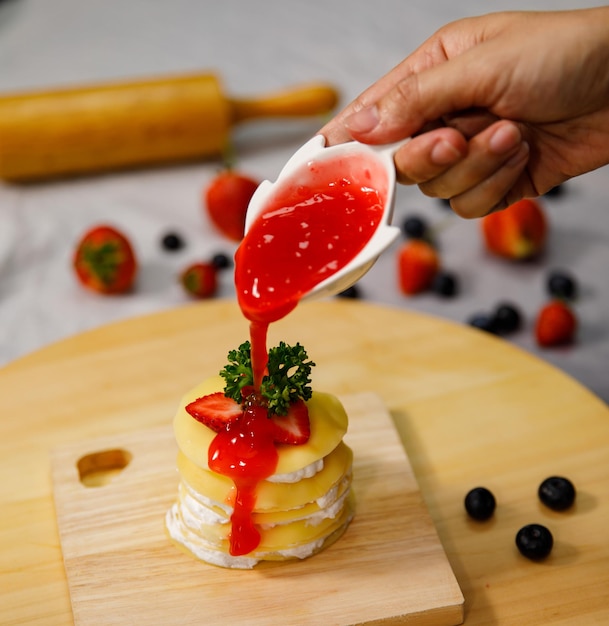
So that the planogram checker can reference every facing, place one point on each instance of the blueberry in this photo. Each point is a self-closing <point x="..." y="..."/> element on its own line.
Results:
<point x="483" y="321"/>
<point x="507" y="318"/>
<point x="352" y="292"/>
<point x="445" y="284"/>
<point x="415" y="227"/>
<point x="534" y="541"/>
<point x="557" y="493"/>
<point x="172" y="242"/>
<point x="480" y="503"/>
<point x="221" y="261"/>
<point x="561" y="284"/>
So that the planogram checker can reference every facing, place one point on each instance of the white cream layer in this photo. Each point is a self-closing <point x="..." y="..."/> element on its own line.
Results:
<point x="201" y="549"/>
<point x="294" y="477"/>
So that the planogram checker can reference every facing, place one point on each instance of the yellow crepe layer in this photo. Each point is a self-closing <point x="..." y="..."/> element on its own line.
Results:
<point x="326" y="414"/>
<point x="271" y="497"/>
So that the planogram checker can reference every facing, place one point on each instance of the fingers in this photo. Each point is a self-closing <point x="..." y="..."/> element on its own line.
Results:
<point x="432" y="82"/>
<point x="470" y="123"/>
<point x="415" y="100"/>
<point x="488" y="151"/>
<point x="495" y="192"/>
<point x="478" y="176"/>
<point x="391" y="118"/>
<point x="475" y="160"/>
<point x="335" y="131"/>
<point x="429" y="155"/>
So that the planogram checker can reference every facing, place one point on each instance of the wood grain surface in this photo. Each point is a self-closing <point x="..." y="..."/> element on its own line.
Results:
<point x="121" y="567"/>
<point x="470" y="409"/>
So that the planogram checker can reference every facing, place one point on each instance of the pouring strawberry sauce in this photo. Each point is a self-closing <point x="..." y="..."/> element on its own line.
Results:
<point x="307" y="232"/>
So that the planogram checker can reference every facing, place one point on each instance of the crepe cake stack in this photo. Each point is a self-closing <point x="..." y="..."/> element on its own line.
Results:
<point x="303" y="507"/>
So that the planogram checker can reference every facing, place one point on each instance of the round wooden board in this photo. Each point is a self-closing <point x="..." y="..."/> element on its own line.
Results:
<point x="471" y="409"/>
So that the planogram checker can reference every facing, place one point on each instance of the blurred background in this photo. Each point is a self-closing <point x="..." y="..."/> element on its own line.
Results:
<point x="256" y="48"/>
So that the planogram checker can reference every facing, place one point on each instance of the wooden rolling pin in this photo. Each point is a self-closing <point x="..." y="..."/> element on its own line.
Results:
<point x="121" y="125"/>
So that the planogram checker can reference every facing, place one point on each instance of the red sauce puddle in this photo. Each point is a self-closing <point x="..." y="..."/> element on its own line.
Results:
<point x="306" y="233"/>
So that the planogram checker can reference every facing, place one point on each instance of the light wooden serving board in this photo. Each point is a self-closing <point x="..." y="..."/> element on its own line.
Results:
<point x="388" y="568"/>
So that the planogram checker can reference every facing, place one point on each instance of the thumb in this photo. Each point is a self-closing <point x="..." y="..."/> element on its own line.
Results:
<point x="416" y="100"/>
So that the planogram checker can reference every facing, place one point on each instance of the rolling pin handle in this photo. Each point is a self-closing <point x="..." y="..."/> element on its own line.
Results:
<point x="306" y="100"/>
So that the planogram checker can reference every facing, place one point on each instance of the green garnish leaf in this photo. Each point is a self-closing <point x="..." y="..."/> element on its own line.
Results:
<point x="288" y="378"/>
<point x="238" y="372"/>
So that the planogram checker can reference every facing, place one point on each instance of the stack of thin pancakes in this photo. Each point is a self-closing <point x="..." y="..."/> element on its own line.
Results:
<point x="302" y="508"/>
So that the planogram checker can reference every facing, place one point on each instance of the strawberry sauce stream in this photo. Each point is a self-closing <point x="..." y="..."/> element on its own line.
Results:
<point x="307" y="232"/>
<point x="244" y="452"/>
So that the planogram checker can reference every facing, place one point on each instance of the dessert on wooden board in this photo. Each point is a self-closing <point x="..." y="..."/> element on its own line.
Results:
<point x="254" y="488"/>
<point x="264" y="472"/>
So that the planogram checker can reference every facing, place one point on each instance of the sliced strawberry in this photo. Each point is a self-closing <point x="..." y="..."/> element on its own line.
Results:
<point x="293" y="428"/>
<point x="215" y="410"/>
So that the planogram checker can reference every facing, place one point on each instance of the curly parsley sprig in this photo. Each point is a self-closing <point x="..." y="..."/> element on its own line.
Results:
<point x="288" y="378"/>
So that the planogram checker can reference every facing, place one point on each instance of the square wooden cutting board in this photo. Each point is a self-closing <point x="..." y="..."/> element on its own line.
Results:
<point x="388" y="568"/>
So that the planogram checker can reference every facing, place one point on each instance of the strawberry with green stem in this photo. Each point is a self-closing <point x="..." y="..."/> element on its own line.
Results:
<point x="200" y="280"/>
<point x="104" y="261"/>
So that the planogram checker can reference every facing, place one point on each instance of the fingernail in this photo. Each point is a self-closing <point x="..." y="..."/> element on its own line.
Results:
<point x="364" y="120"/>
<point x="444" y="153"/>
<point x="505" y="138"/>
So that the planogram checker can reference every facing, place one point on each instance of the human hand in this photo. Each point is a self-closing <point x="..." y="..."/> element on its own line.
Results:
<point x="500" y="107"/>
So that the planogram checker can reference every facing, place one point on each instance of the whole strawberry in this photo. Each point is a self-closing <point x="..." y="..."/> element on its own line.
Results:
<point x="556" y="324"/>
<point x="226" y="200"/>
<point x="104" y="261"/>
<point x="200" y="280"/>
<point x="418" y="264"/>
<point x="518" y="232"/>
